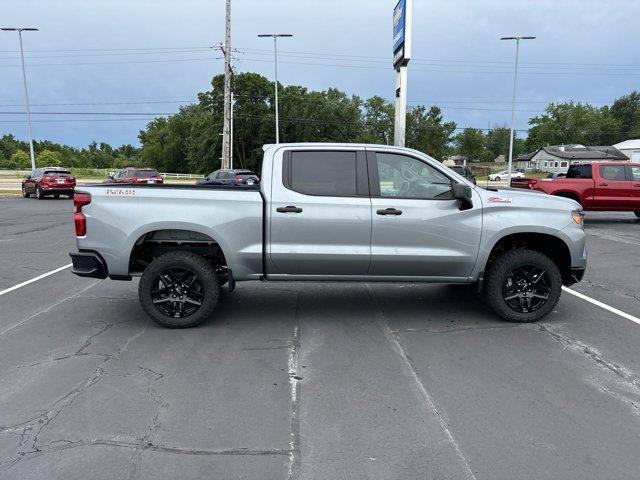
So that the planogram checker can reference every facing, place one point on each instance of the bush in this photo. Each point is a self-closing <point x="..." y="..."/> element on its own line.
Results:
<point x="20" y="160"/>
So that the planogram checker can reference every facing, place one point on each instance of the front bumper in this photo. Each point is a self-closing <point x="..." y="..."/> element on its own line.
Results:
<point x="88" y="264"/>
<point x="577" y="273"/>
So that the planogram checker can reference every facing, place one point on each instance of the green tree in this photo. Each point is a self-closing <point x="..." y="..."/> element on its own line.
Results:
<point x="377" y="122"/>
<point x="427" y="132"/>
<point x="626" y="110"/>
<point x="470" y="143"/>
<point x="19" y="160"/>
<point x="48" y="158"/>
<point x="567" y="123"/>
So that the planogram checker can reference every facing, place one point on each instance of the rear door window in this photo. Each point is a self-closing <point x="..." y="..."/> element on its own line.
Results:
<point x="635" y="173"/>
<point x="579" y="171"/>
<point x="329" y="173"/>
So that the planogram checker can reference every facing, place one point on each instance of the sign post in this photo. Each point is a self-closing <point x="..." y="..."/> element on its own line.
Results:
<point x="402" y="21"/>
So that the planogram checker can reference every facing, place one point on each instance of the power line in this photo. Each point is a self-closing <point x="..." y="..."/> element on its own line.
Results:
<point x="437" y="66"/>
<point x="306" y="54"/>
<point x="109" y="54"/>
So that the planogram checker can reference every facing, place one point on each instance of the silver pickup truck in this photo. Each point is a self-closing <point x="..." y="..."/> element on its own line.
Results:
<point x="330" y="212"/>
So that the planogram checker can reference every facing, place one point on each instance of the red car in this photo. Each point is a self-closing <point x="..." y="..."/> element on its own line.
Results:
<point x="45" y="181"/>
<point x="602" y="186"/>
<point x="136" y="175"/>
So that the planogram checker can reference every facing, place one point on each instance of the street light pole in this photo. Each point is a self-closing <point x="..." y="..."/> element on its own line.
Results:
<point x="275" y="60"/>
<point x="513" y="102"/>
<point x="26" y="91"/>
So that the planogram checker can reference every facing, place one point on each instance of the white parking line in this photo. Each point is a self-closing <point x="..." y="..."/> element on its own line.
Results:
<point x="34" y="279"/>
<point x="602" y="305"/>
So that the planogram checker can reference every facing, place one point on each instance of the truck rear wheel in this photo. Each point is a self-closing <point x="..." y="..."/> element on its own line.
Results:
<point x="522" y="285"/>
<point x="179" y="290"/>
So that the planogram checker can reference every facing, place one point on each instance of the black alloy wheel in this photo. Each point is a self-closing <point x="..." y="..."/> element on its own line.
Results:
<point x="179" y="289"/>
<point x="177" y="292"/>
<point x="522" y="285"/>
<point x="526" y="288"/>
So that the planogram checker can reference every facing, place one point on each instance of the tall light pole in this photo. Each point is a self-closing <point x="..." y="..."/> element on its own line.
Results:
<point x="275" y="37"/>
<point x="26" y="91"/>
<point x="513" y="102"/>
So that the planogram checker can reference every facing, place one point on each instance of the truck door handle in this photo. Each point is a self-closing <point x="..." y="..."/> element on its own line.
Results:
<point x="389" y="211"/>
<point x="289" y="209"/>
<point x="603" y="184"/>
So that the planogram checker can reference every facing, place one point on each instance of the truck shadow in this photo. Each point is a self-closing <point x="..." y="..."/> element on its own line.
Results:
<point x="402" y="307"/>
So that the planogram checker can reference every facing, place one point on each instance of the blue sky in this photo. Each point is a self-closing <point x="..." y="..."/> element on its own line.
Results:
<point x="123" y="53"/>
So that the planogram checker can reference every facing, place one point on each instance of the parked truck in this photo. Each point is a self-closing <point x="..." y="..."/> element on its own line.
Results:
<point x="603" y="186"/>
<point x="330" y="212"/>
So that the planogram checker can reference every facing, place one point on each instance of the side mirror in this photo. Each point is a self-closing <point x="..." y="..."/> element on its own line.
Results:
<point x="464" y="195"/>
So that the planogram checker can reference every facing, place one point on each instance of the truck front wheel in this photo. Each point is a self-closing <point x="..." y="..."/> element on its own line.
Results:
<point x="179" y="289"/>
<point x="522" y="285"/>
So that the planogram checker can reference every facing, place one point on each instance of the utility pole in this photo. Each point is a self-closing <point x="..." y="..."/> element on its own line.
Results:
<point x="275" y="37"/>
<point x="231" y="142"/>
<point x="226" y="129"/>
<point x="402" y="22"/>
<point x="513" y="102"/>
<point x="26" y="91"/>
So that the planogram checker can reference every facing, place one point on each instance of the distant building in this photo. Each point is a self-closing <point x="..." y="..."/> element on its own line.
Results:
<point x="500" y="159"/>
<point x="631" y="148"/>
<point x="455" y="160"/>
<point x="557" y="158"/>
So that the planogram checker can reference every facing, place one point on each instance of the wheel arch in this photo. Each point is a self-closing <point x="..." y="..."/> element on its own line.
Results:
<point x="155" y="240"/>
<point x="548" y="244"/>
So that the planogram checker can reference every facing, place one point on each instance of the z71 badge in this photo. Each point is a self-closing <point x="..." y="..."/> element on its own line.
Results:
<point x="121" y="192"/>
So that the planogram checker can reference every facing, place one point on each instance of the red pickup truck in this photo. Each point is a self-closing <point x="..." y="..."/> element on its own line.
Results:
<point x="604" y="186"/>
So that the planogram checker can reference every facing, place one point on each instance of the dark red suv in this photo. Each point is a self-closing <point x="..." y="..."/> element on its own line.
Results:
<point x="45" y="181"/>
<point x="135" y="175"/>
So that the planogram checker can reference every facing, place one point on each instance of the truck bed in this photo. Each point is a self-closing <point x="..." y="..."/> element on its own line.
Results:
<point x="119" y="216"/>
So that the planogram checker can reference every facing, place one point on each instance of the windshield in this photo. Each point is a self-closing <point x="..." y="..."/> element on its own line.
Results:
<point x="57" y="173"/>
<point x="146" y="173"/>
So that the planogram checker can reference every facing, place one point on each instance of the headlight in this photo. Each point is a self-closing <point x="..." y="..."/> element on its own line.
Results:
<point x="578" y="216"/>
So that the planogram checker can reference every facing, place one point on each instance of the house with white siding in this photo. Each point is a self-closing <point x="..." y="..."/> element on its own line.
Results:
<point x="557" y="158"/>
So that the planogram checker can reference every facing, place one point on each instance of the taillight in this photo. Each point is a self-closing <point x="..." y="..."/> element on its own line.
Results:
<point x="80" y="199"/>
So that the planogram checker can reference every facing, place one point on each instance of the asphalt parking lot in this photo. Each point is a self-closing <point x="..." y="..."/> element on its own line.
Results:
<point x="313" y="381"/>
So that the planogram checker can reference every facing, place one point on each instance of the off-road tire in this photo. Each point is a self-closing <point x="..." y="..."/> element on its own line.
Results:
<point x="503" y="266"/>
<point x="180" y="259"/>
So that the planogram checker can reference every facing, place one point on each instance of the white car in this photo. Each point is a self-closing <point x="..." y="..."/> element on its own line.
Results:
<point x="496" y="177"/>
